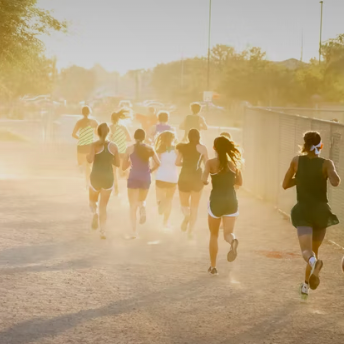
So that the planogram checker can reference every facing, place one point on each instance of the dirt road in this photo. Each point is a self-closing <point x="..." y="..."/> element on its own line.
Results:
<point x="61" y="284"/>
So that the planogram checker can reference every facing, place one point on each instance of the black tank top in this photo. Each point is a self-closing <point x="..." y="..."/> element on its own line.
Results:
<point x="311" y="184"/>
<point x="192" y="159"/>
<point x="223" y="185"/>
<point x="102" y="165"/>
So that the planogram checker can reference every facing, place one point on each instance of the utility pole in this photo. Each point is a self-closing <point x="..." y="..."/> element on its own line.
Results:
<point x="209" y="37"/>
<point x="321" y="26"/>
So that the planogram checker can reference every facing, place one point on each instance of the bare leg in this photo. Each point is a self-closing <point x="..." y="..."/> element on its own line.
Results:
<point x="185" y="203"/>
<point x="115" y="175"/>
<point x="228" y="234"/>
<point x="168" y="206"/>
<point x="195" y="199"/>
<point x="104" y="200"/>
<point x="214" y="226"/>
<point x="160" y="199"/>
<point x="133" y="195"/>
<point x="143" y="193"/>
<point x="93" y="197"/>
<point x="317" y="240"/>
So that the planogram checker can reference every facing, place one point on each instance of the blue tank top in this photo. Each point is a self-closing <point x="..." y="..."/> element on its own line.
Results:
<point x="140" y="169"/>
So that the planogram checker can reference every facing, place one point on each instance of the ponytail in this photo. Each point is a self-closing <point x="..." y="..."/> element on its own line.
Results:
<point x="103" y="132"/>
<point x="143" y="151"/>
<point x="121" y="114"/>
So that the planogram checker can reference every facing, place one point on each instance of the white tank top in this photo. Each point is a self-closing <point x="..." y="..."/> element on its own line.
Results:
<point x="168" y="171"/>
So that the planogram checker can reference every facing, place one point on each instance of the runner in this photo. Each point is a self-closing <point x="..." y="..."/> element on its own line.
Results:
<point x="194" y="121"/>
<point x="312" y="214"/>
<point x="138" y="156"/>
<point x="190" y="157"/>
<point x="162" y="125"/>
<point x="223" y="204"/>
<point x="103" y="155"/>
<point x="119" y="136"/>
<point x="167" y="174"/>
<point x="84" y="131"/>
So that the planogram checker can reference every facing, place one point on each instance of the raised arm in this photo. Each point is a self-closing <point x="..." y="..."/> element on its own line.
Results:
<point x="289" y="179"/>
<point x="332" y="173"/>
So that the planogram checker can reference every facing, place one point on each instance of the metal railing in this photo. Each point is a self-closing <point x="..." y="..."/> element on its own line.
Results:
<point x="271" y="138"/>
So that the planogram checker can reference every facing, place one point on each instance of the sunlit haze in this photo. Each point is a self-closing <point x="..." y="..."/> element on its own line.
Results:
<point x="132" y="34"/>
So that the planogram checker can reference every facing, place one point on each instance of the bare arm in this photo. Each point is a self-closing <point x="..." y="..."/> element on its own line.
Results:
<point x="205" y="155"/>
<point x="75" y="131"/>
<point x="156" y="162"/>
<point x="126" y="160"/>
<point x="179" y="160"/>
<point x="332" y="173"/>
<point x="238" y="180"/>
<point x="203" y="124"/>
<point x="206" y="172"/>
<point x="91" y="155"/>
<point x="289" y="179"/>
<point x="114" y="150"/>
<point x="127" y="134"/>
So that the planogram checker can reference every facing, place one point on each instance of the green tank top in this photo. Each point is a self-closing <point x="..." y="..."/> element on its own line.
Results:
<point x="120" y="139"/>
<point x="311" y="184"/>
<point x="86" y="136"/>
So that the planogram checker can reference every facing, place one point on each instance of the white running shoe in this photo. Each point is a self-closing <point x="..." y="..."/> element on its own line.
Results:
<point x="304" y="289"/>
<point x="314" y="279"/>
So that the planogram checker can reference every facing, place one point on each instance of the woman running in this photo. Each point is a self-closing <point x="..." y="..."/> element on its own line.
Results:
<point x="194" y="121"/>
<point x="223" y="204"/>
<point x="84" y="131"/>
<point x="138" y="156"/>
<point x="103" y="155"/>
<point x="167" y="174"/>
<point x="312" y="214"/>
<point x="162" y="125"/>
<point x="190" y="157"/>
<point x="119" y="136"/>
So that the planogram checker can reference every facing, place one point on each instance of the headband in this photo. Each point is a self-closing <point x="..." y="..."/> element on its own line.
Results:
<point x="317" y="148"/>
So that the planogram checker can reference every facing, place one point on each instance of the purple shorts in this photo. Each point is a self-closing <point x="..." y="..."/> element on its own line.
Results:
<point x="138" y="184"/>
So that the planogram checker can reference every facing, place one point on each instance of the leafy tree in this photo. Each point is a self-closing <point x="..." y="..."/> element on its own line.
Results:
<point x="21" y="50"/>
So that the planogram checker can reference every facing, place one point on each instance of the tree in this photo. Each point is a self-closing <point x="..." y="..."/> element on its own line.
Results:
<point x="21" y="50"/>
<point x="76" y="84"/>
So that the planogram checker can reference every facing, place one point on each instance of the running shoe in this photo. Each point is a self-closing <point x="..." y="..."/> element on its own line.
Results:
<point x="95" y="221"/>
<point x="185" y="223"/>
<point x="314" y="279"/>
<point x="304" y="291"/>
<point x="190" y="235"/>
<point x="232" y="254"/>
<point x="143" y="216"/>
<point x="103" y="236"/>
<point x="213" y="271"/>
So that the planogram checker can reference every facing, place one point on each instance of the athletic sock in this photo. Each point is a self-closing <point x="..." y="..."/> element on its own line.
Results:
<point x="312" y="261"/>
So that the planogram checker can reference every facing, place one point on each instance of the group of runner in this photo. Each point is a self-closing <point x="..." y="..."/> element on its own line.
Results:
<point x="155" y="148"/>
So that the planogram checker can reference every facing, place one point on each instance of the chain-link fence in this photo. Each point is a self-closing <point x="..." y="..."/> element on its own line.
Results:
<point x="271" y="139"/>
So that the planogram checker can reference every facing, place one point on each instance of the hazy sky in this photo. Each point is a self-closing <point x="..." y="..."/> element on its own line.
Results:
<point x="131" y="34"/>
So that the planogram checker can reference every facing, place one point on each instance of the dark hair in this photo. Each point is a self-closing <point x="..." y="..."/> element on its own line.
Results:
<point x="194" y="136"/>
<point x="225" y="134"/>
<point x="121" y="114"/>
<point x="226" y="148"/>
<point x="103" y="131"/>
<point x="143" y="151"/>
<point x="195" y="108"/>
<point x="163" y="116"/>
<point x="86" y="111"/>
<point x="164" y="141"/>
<point x="310" y="138"/>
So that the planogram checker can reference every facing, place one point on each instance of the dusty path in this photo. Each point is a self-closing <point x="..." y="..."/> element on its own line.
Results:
<point x="60" y="284"/>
